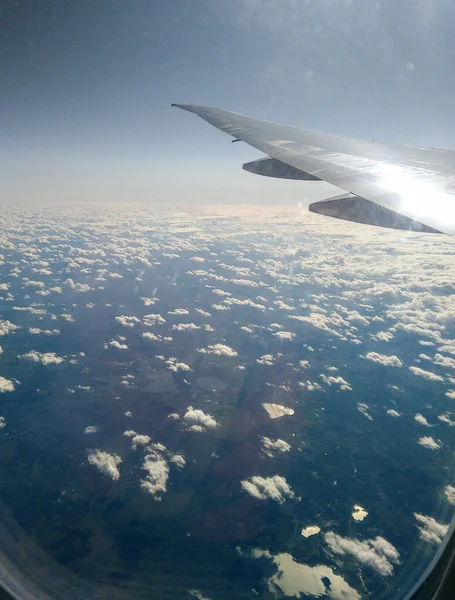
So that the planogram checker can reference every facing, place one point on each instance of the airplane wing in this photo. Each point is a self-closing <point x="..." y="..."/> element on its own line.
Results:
<point x="390" y="185"/>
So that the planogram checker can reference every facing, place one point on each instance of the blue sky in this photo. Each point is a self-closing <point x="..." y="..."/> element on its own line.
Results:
<point x="86" y="90"/>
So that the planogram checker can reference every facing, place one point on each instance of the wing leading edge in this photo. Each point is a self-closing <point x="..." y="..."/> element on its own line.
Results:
<point x="412" y="187"/>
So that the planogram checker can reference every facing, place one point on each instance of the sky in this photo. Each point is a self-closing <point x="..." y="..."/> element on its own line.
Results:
<point x="86" y="89"/>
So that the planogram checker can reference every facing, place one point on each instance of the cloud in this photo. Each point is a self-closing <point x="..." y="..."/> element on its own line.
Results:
<point x="425" y="374"/>
<point x="449" y="492"/>
<point x="363" y="408"/>
<point x="382" y="336"/>
<point x="127" y="321"/>
<point x="7" y="327"/>
<point x="91" y="429"/>
<point x="276" y="488"/>
<point x="77" y="287"/>
<point x="45" y="358"/>
<point x="106" y="463"/>
<point x="178" y="460"/>
<point x="175" y="366"/>
<point x="6" y="385"/>
<point x="428" y="442"/>
<point x="377" y="553"/>
<point x="284" y="335"/>
<point x="185" y="327"/>
<point x="331" y="380"/>
<point x="118" y="345"/>
<point x="155" y="482"/>
<point x="430" y="530"/>
<point x="153" y="319"/>
<point x="310" y="386"/>
<point x="393" y="413"/>
<point x="218" y="349"/>
<point x="179" y="311"/>
<point x="444" y="361"/>
<point x="422" y="420"/>
<point x="382" y="359"/>
<point x="266" y="359"/>
<point x="197" y="420"/>
<point x="2" y="422"/>
<point x="148" y="335"/>
<point x="273" y="447"/>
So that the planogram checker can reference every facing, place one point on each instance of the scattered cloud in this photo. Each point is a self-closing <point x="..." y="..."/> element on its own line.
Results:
<point x="197" y="420"/>
<point x="377" y="553"/>
<point x="430" y="530"/>
<point x="45" y="358"/>
<point x="426" y="374"/>
<point x="428" y="442"/>
<point x="273" y="447"/>
<point x="218" y="349"/>
<point x="276" y="488"/>
<point x="6" y="385"/>
<point x="106" y="463"/>
<point x="382" y="359"/>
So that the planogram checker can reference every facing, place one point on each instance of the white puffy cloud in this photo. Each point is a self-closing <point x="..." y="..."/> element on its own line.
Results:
<point x="127" y="321"/>
<point x="185" y="327"/>
<point x="444" y="361"/>
<point x="7" y="327"/>
<point x="421" y="419"/>
<point x="77" y="287"/>
<point x="2" y="422"/>
<point x="6" y="385"/>
<point x="377" y="553"/>
<point x="155" y="482"/>
<point x="428" y="442"/>
<point x="393" y="413"/>
<point x="382" y="359"/>
<point x="137" y="439"/>
<point x="310" y="386"/>
<point x="449" y="492"/>
<point x="178" y="460"/>
<point x="276" y="488"/>
<point x="284" y="335"/>
<point x="425" y="374"/>
<point x="153" y="319"/>
<point x="197" y="420"/>
<point x="266" y="359"/>
<point x="106" y="463"/>
<point x="204" y="313"/>
<point x="382" y="336"/>
<point x="337" y="381"/>
<point x="117" y="344"/>
<point x="430" y="530"/>
<point x="174" y="365"/>
<point x="445" y="418"/>
<point x="218" y="349"/>
<point x="148" y="335"/>
<point x="91" y="429"/>
<point x="45" y="358"/>
<point x="272" y="447"/>
<point x="179" y="311"/>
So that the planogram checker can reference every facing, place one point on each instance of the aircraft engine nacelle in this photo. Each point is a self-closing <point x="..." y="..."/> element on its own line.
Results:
<point x="359" y="210"/>
<point x="271" y="167"/>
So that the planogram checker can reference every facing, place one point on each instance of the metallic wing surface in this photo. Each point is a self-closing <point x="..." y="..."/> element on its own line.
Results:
<point x="390" y="185"/>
